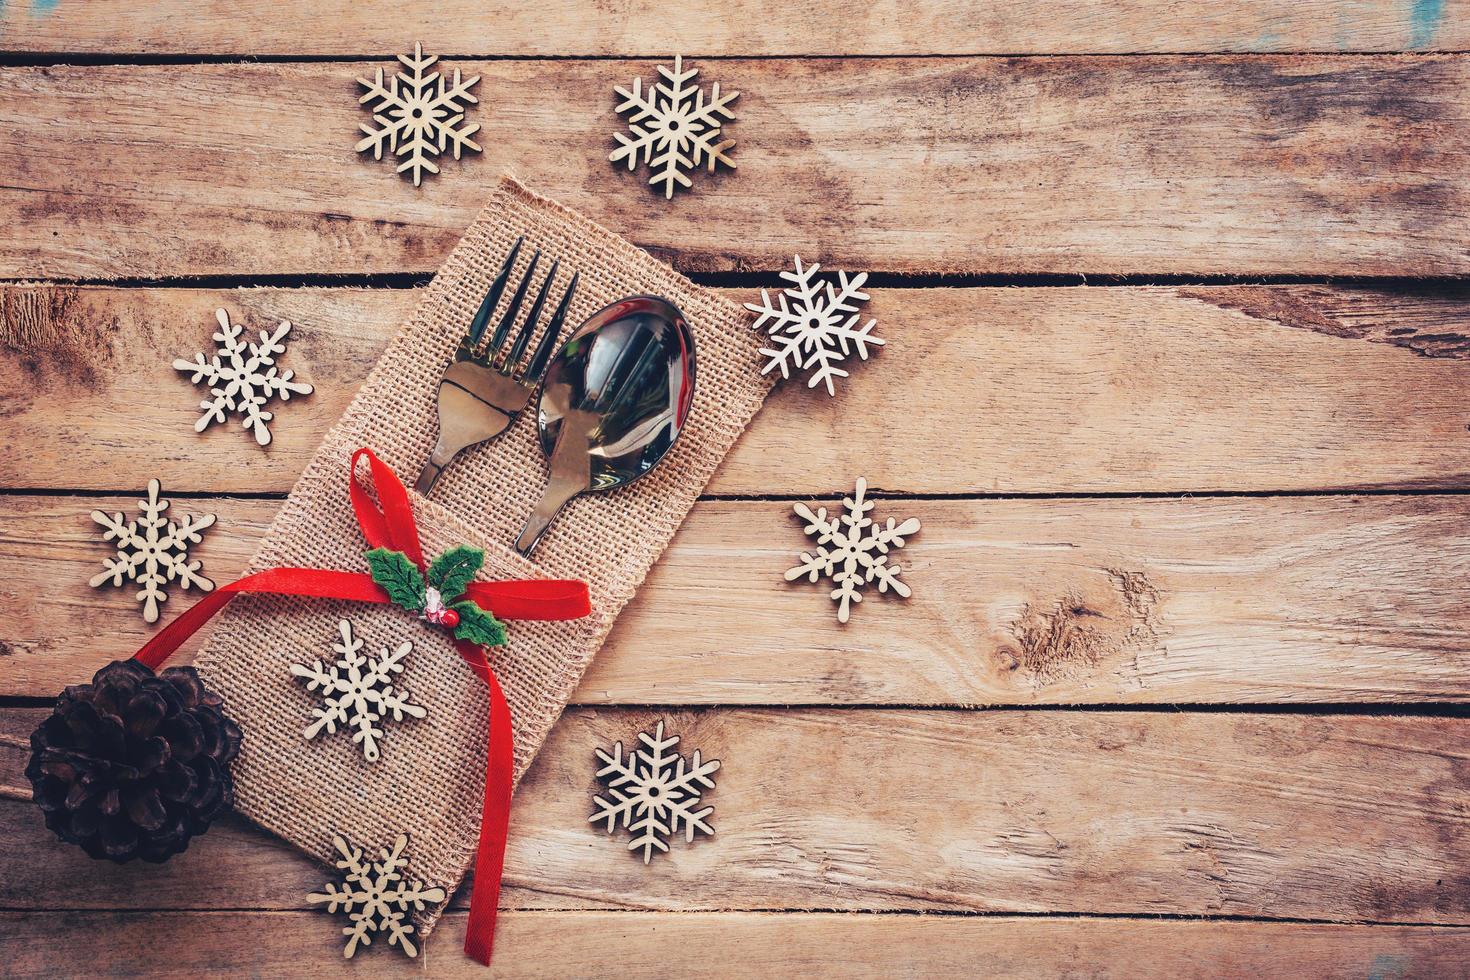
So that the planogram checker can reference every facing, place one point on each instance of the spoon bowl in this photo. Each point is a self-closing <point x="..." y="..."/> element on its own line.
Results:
<point x="616" y="397"/>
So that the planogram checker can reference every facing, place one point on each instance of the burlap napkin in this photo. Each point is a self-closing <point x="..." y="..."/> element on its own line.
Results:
<point x="430" y="777"/>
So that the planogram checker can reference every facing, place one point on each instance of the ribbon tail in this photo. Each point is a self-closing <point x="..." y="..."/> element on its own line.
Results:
<point x="315" y="583"/>
<point x="543" y="599"/>
<point x="479" y="937"/>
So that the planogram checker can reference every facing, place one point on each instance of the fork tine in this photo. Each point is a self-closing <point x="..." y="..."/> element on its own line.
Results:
<point x="502" y="329"/>
<point x="543" y="350"/>
<point x="487" y="307"/>
<point x="523" y="339"/>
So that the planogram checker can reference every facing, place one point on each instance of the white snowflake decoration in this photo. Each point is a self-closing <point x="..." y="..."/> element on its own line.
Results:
<point x="673" y="128"/>
<point x="357" y="693"/>
<point x="376" y="896"/>
<point x="242" y="377"/>
<point x="152" y="551"/>
<point x="418" y="116"/>
<point x="654" y="793"/>
<point x="807" y="327"/>
<point x="852" y="550"/>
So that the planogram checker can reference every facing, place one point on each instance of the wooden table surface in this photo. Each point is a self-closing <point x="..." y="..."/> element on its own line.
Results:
<point x="1178" y="381"/>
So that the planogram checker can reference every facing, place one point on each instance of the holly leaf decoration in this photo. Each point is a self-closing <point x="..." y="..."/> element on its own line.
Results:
<point x="399" y="577"/>
<point x="451" y="572"/>
<point x="478" y="626"/>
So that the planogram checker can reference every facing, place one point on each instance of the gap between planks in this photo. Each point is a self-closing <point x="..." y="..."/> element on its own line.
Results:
<point x="1339" y="819"/>
<point x="1026" y="392"/>
<point x="1239" y="600"/>
<point x="143" y="59"/>
<point x="567" y="29"/>
<point x="1176" y="165"/>
<point x="659" y="945"/>
<point x="755" y="279"/>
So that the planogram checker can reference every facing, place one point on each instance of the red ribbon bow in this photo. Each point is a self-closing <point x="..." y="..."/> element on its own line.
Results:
<point x="393" y="527"/>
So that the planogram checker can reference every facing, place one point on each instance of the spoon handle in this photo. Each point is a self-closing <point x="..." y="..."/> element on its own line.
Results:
<point x="570" y="475"/>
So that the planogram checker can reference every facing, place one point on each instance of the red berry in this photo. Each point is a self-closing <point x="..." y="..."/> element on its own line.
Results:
<point x="450" y="618"/>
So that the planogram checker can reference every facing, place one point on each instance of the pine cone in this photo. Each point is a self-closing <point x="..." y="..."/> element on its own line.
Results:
<point x="132" y="764"/>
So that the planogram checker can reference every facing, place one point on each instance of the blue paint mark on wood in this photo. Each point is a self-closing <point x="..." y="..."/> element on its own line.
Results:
<point x="41" y="8"/>
<point x="1424" y="20"/>
<point x="1387" y="966"/>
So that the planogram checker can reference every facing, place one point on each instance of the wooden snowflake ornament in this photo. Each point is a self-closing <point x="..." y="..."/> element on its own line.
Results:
<point x="376" y="896"/>
<point x="152" y="551"/>
<point x="418" y="116"/>
<point x="813" y="326"/>
<point x="242" y="377"/>
<point x="673" y="128"/>
<point x="654" y="793"/>
<point x="852" y="550"/>
<point x="357" y="693"/>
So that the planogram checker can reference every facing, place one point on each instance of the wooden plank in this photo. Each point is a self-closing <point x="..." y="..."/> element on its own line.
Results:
<point x="1316" y="817"/>
<point x="1235" y="164"/>
<point x="659" y="945"/>
<point x="1015" y="602"/>
<point x="1059" y="390"/>
<point x="743" y="27"/>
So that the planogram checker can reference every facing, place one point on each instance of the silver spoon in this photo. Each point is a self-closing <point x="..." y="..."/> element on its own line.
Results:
<point x="616" y="397"/>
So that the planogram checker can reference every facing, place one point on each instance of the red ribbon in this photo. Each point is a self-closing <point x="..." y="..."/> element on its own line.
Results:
<point x="392" y="526"/>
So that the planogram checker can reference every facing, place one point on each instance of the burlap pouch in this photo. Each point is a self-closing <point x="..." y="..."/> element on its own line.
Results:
<point x="430" y="777"/>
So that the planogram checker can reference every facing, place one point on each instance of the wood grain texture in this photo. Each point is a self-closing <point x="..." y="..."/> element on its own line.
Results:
<point x="1237" y="165"/>
<point x="1317" y="817"/>
<point x="1015" y="601"/>
<point x="748" y="27"/>
<point x="1059" y="390"/>
<point x="656" y="946"/>
<point x="1045" y="838"/>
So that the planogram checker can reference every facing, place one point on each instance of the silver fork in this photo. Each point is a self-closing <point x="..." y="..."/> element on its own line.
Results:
<point x="481" y="394"/>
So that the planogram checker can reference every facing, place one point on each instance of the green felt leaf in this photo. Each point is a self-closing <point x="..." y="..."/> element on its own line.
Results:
<point x="478" y="626"/>
<point x="399" y="577"/>
<point x="451" y="572"/>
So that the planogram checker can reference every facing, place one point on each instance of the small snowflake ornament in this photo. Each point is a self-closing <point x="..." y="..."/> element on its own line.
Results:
<point x="242" y="377"/>
<point x="376" y="896"/>
<point x="814" y="326"/>
<point x="653" y="793"/>
<point x="357" y="693"/>
<point x="673" y="128"/>
<point x="852" y="550"/>
<point x="418" y="116"/>
<point x="152" y="551"/>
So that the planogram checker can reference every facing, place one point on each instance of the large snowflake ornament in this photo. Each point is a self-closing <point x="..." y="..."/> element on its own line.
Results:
<point x="653" y="793"/>
<point x="376" y="896"/>
<point x="813" y="325"/>
<point x="852" y="550"/>
<point x="673" y="127"/>
<point x="357" y="692"/>
<point x="152" y="551"/>
<point x="418" y="116"/>
<point x="242" y="377"/>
